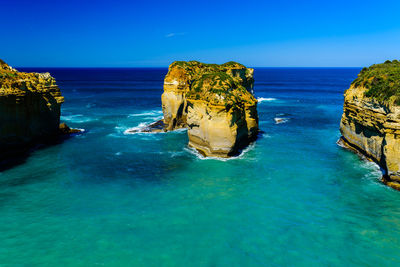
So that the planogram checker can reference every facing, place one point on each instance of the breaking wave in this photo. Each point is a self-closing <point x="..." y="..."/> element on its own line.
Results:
<point x="136" y="129"/>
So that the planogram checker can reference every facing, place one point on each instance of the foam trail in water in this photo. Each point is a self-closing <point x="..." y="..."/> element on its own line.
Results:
<point x="154" y="119"/>
<point x="77" y="118"/>
<point x="146" y="113"/>
<point x="266" y="135"/>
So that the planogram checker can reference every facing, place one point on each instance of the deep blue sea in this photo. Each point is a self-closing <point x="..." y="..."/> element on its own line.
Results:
<point x="293" y="198"/>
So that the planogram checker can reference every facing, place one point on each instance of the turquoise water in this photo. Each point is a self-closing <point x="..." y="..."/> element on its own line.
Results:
<point x="294" y="198"/>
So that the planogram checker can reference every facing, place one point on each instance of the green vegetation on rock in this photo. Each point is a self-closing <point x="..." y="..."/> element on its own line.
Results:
<point x="206" y="66"/>
<point x="228" y="84"/>
<point x="381" y="80"/>
<point x="13" y="82"/>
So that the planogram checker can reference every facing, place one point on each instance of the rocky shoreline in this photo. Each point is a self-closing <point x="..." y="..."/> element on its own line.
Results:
<point x="370" y="124"/>
<point x="30" y="106"/>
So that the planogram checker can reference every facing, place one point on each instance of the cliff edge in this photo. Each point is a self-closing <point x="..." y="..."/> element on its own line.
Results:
<point x="214" y="102"/>
<point x="29" y="109"/>
<point x="370" y="123"/>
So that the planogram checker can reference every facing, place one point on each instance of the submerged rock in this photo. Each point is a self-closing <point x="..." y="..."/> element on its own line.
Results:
<point x="214" y="102"/>
<point x="64" y="129"/>
<point x="29" y="109"/>
<point x="155" y="127"/>
<point x="370" y="123"/>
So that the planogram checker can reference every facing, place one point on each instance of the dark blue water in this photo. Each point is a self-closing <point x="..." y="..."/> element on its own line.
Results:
<point x="294" y="198"/>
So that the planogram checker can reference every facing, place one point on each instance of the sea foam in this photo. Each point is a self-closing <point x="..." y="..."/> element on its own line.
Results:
<point x="242" y="154"/>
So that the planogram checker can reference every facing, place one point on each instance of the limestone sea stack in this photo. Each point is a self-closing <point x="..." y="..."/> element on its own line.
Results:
<point x="214" y="102"/>
<point x="29" y="109"/>
<point x="370" y="123"/>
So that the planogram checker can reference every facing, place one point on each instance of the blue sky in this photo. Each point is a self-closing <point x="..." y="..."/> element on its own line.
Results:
<point x="154" y="33"/>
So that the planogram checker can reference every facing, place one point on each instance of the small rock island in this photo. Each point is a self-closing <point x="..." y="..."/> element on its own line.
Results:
<point x="370" y="123"/>
<point x="214" y="102"/>
<point x="29" y="110"/>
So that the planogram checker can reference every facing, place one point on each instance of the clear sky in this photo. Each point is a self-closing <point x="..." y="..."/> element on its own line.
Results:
<point x="281" y="33"/>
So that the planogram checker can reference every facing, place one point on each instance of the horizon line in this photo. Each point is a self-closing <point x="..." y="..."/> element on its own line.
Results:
<point x="165" y="67"/>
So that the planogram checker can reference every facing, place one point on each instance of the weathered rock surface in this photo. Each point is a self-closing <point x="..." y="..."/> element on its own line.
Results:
<point x="370" y="123"/>
<point x="65" y="130"/>
<point x="214" y="102"/>
<point x="29" y="109"/>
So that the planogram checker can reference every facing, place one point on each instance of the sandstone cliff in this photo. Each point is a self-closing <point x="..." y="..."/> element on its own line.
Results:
<point x="29" y="109"/>
<point x="370" y="122"/>
<point x="214" y="102"/>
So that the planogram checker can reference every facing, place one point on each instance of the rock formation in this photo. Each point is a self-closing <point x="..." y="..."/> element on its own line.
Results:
<point x="214" y="102"/>
<point x="29" y="109"/>
<point x="370" y="122"/>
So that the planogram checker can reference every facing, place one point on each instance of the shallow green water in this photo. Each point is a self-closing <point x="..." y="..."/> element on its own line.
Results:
<point x="294" y="198"/>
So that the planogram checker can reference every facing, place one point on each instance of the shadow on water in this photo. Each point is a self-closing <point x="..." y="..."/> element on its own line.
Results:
<point x="16" y="158"/>
<point x="19" y="155"/>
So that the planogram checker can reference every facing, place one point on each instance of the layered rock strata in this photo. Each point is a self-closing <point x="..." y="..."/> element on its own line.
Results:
<point x="370" y="123"/>
<point x="29" y="109"/>
<point x="214" y="102"/>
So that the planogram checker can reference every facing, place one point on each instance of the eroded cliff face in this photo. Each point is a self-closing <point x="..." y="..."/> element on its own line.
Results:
<point x="214" y="102"/>
<point x="176" y="85"/>
<point x="371" y="126"/>
<point x="29" y="108"/>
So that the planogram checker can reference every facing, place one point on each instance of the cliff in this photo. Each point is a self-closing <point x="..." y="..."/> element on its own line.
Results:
<point x="29" y="109"/>
<point x="370" y="123"/>
<point x="215" y="103"/>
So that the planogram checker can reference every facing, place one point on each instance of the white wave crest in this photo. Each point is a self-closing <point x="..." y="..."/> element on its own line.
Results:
<point x="281" y="120"/>
<point x="262" y="99"/>
<point x="137" y="129"/>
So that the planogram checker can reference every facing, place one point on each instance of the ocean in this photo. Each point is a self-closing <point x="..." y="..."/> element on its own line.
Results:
<point x="109" y="198"/>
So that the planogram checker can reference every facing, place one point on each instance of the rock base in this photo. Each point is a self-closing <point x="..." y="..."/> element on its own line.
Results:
<point x="385" y="179"/>
<point x="155" y="127"/>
